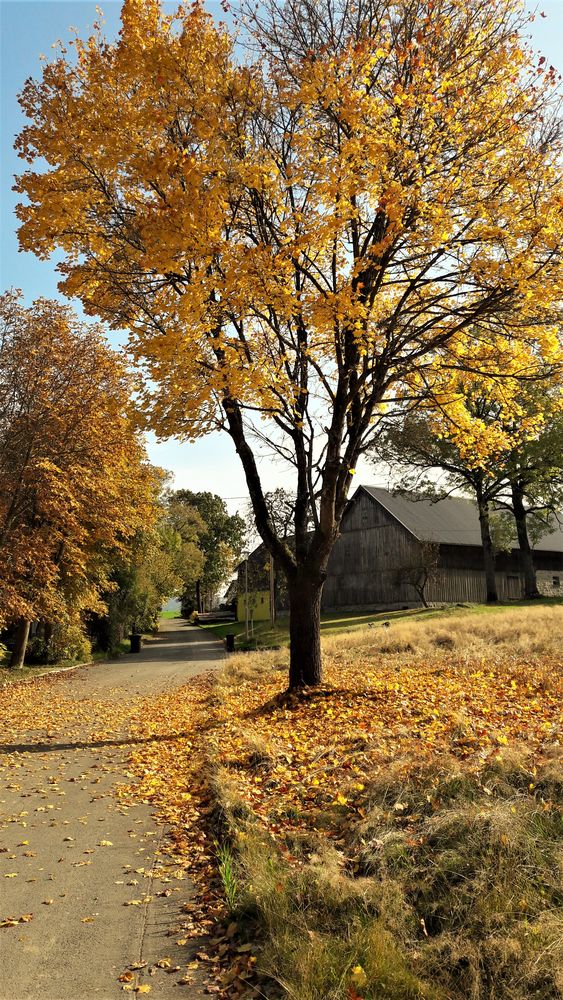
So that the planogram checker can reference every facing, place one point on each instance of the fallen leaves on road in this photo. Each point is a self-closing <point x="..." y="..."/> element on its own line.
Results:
<point x="14" y="921"/>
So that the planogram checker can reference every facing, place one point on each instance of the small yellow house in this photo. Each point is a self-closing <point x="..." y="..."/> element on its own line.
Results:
<point x="258" y="606"/>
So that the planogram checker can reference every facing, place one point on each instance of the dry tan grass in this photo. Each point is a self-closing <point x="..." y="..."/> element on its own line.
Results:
<point x="512" y="634"/>
<point x="517" y="632"/>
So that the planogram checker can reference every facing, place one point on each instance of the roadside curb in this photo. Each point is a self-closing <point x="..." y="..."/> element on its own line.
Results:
<point x="50" y="673"/>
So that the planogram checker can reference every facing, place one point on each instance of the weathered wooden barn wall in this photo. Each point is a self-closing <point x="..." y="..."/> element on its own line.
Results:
<point x="372" y="546"/>
<point x="363" y="563"/>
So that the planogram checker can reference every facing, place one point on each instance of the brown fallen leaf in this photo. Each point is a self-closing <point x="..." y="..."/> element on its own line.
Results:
<point x="126" y="977"/>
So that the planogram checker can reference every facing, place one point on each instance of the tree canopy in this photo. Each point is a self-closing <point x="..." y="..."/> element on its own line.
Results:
<point x="75" y="483"/>
<point x="220" y="540"/>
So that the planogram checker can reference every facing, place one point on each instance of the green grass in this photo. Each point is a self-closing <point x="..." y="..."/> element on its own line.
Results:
<point x="170" y="614"/>
<point x="266" y="635"/>
<point x="336" y="622"/>
<point x="123" y="647"/>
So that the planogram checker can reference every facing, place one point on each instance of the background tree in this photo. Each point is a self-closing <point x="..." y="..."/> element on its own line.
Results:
<point x="281" y="508"/>
<point x="415" y="452"/>
<point x="534" y="488"/>
<point x="295" y="242"/>
<point x="74" y="480"/>
<point x="421" y="571"/>
<point x="157" y="563"/>
<point x="220" y="540"/>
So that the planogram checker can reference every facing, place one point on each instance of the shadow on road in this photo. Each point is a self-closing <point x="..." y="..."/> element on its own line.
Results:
<point x="158" y="647"/>
<point x="88" y="744"/>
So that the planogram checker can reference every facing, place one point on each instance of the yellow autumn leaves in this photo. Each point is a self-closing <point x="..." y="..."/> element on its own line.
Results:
<point x="74" y="481"/>
<point x="245" y="220"/>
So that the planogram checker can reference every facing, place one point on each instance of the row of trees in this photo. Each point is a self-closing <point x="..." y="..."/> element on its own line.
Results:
<point x="360" y="209"/>
<point x="91" y="541"/>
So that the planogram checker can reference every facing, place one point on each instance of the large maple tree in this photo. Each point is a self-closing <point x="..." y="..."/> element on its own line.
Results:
<point x="297" y="236"/>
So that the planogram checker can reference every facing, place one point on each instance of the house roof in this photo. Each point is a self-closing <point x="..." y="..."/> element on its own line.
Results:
<point x="452" y="521"/>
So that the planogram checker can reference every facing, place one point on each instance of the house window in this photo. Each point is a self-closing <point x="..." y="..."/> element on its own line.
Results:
<point x="556" y="581"/>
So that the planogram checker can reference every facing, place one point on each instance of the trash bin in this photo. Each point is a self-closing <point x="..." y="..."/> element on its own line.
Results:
<point x="230" y="642"/>
<point x="135" y="638"/>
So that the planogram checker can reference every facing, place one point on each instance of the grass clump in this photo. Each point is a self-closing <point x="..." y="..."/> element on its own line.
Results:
<point x="481" y="870"/>
<point x="322" y="936"/>
<point x="227" y="872"/>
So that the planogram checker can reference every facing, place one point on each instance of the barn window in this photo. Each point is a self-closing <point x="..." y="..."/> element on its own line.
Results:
<point x="556" y="581"/>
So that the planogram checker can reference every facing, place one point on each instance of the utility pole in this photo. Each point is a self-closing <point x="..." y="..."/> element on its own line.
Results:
<point x="272" y="592"/>
<point x="246" y="593"/>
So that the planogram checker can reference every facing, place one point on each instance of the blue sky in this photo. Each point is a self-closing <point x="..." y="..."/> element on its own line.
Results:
<point x="28" y="28"/>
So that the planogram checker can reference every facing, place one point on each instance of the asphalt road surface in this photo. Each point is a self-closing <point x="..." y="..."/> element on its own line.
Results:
<point x="72" y="855"/>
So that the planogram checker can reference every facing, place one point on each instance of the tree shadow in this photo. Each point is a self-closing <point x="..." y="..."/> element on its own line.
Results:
<point x="42" y="747"/>
<point x="293" y="700"/>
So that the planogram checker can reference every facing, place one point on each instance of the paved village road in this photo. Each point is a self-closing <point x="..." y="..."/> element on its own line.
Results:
<point x="72" y="854"/>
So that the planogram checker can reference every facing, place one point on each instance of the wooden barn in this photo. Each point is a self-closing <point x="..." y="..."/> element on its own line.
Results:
<point x="383" y="534"/>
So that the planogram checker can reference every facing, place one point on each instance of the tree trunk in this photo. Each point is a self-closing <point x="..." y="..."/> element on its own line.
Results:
<point x="305" y="662"/>
<point x="20" y="644"/>
<point x="530" y="580"/>
<point x="421" y="596"/>
<point x="47" y="637"/>
<point x="488" y="551"/>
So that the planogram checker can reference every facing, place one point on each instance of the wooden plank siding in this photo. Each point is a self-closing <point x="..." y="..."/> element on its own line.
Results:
<point x="372" y="546"/>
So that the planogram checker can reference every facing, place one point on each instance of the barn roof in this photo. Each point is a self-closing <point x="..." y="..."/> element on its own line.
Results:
<point x="452" y="521"/>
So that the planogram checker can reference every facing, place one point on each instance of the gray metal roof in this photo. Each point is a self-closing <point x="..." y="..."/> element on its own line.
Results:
<point x="453" y="521"/>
